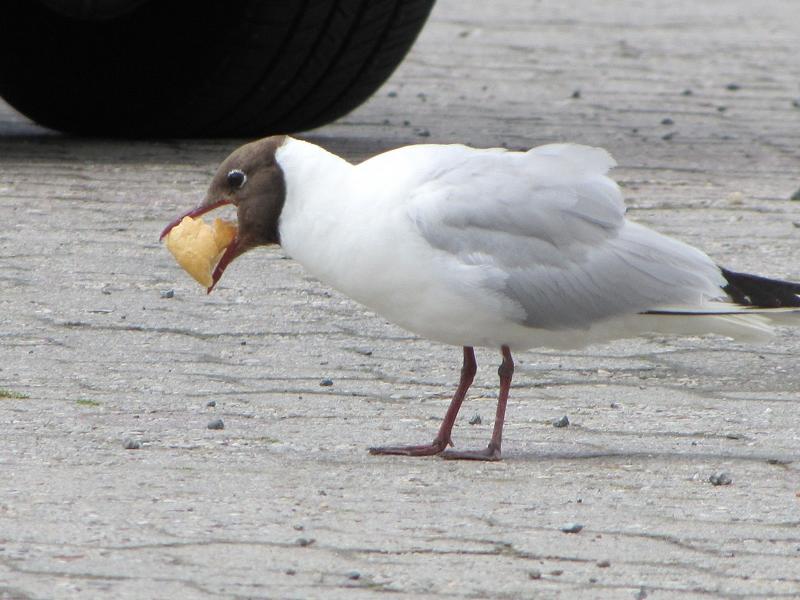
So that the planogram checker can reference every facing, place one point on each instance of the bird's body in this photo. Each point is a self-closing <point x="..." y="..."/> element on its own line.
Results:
<point x="470" y="247"/>
<point x="490" y="248"/>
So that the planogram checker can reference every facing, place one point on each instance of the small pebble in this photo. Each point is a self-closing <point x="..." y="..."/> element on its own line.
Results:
<point x="614" y="405"/>
<point x="211" y="403"/>
<point x="557" y="572"/>
<point x="534" y="574"/>
<point x="354" y="575"/>
<point x="131" y="444"/>
<point x="571" y="528"/>
<point x="326" y="382"/>
<point x="576" y="94"/>
<point x="475" y="419"/>
<point x="668" y="136"/>
<point x="796" y="103"/>
<point x="795" y="196"/>
<point x="603" y="564"/>
<point x="304" y="542"/>
<point x="167" y="293"/>
<point x="641" y="594"/>
<point x="562" y="422"/>
<point x="392" y="94"/>
<point x="667" y="121"/>
<point x="216" y="424"/>
<point x="722" y="108"/>
<point x="421" y="132"/>
<point x="686" y="92"/>
<point x="733" y="87"/>
<point x="290" y="572"/>
<point x="721" y="478"/>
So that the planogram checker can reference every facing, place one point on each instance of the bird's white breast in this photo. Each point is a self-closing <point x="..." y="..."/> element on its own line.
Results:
<point x="349" y="227"/>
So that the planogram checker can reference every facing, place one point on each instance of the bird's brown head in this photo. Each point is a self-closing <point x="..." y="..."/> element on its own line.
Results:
<point x="252" y="180"/>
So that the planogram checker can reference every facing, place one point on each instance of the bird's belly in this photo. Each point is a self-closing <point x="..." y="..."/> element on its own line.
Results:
<point x="417" y="293"/>
<point x="440" y="316"/>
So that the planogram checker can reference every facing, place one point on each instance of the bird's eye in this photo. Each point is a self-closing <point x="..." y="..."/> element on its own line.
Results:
<point x="237" y="178"/>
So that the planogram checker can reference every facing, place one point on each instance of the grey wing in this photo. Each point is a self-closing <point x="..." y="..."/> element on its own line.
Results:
<point x="551" y="240"/>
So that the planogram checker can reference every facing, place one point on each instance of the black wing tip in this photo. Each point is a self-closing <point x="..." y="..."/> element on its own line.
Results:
<point x="760" y="292"/>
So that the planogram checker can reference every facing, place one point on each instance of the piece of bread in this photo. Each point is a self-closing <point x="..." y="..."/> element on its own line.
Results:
<point x="197" y="246"/>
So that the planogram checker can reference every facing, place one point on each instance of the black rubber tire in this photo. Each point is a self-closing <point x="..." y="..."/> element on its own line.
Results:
<point x="181" y="68"/>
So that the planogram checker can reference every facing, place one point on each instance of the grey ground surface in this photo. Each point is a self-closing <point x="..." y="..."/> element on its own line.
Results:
<point x="284" y="502"/>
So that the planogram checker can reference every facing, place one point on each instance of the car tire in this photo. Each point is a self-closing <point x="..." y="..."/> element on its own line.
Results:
<point x="178" y="68"/>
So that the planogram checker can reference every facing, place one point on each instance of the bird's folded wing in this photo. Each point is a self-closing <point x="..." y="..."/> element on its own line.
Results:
<point x="547" y="233"/>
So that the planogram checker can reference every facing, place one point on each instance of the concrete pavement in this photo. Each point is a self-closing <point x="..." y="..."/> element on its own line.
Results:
<point x="699" y="104"/>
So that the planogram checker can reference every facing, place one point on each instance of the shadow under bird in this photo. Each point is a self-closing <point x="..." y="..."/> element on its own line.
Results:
<point x="485" y="247"/>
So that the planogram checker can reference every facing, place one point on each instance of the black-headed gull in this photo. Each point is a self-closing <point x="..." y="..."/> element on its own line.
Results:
<point x="471" y="247"/>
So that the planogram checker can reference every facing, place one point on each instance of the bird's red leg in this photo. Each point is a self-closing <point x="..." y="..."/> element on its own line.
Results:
<point x="442" y="439"/>
<point x="492" y="452"/>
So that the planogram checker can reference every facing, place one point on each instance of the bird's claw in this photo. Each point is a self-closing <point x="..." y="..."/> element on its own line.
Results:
<point x="489" y="454"/>
<point x="435" y="447"/>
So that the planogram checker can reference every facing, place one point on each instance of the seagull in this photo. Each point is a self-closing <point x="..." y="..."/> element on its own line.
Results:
<point x="484" y="247"/>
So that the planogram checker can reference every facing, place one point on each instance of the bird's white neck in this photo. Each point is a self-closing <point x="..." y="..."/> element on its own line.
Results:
<point x="318" y="189"/>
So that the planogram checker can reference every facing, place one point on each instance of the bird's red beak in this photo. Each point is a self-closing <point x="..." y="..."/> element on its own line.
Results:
<point x="231" y="251"/>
